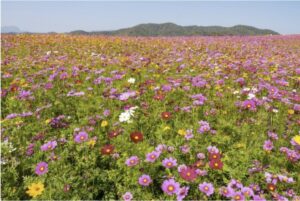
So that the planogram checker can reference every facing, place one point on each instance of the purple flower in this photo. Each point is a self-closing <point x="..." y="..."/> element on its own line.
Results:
<point x="258" y="198"/>
<point x="169" y="162"/>
<point x="201" y="155"/>
<point x="226" y="192"/>
<point x="41" y="168"/>
<point x="199" y="99"/>
<point x="182" y="193"/>
<point x="238" y="196"/>
<point x="198" y="82"/>
<point x="145" y="180"/>
<point x="132" y="161"/>
<point x="212" y="149"/>
<point x="106" y="113"/>
<point x="247" y="191"/>
<point x="249" y="105"/>
<point x="127" y="196"/>
<point x="12" y="116"/>
<point x="204" y="127"/>
<point x="206" y="188"/>
<point x="30" y="150"/>
<point x="152" y="156"/>
<point x="24" y="94"/>
<point x="268" y="145"/>
<point x="81" y="137"/>
<point x="126" y="95"/>
<point x="49" y="146"/>
<point x="170" y="187"/>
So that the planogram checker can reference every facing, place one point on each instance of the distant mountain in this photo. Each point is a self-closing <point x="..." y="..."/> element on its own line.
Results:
<point x="10" y="29"/>
<point x="171" y="29"/>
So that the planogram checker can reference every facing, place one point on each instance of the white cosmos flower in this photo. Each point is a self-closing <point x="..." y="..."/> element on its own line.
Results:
<point x="124" y="117"/>
<point x="131" y="80"/>
<point x="275" y="110"/>
<point x="251" y="95"/>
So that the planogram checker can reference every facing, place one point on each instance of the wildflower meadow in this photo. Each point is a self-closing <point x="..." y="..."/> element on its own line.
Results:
<point x="150" y="118"/>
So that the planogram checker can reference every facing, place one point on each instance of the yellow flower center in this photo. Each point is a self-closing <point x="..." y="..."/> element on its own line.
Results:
<point x="170" y="188"/>
<point x="136" y="137"/>
<point x="206" y="188"/>
<point x="42" y="168"/>
<point x="145" y="180"/>
<point x="169" y="164"/>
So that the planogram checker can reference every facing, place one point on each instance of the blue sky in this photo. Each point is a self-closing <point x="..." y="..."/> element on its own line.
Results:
<point x="64" y="16"/>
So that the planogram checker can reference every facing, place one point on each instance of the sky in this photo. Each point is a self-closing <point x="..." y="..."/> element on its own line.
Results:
<point x="65" y="16"/>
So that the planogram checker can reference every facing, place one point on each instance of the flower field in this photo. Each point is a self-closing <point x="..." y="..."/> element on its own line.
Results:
<point x="165" y="118"/>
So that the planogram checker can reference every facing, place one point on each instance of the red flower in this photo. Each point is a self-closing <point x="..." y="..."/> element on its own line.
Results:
<point x="271" y="187"/>
<point x="166" y="115"/>
<point x="113" y="134"/>
<point x="107" y="149"/>
<point x="214" y="156"/>
<point x="188" y="174"/>
<point x="216" y="164"/>
<point x="136" y="137"/>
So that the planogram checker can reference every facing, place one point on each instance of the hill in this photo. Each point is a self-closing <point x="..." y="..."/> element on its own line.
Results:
<point x="171" y="29"/>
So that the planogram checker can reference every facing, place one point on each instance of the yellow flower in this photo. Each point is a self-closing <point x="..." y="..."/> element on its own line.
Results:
<point x="291" y="111"/>
<point x="104" y="123"/>
<point x="181" y="132"/>
<point x="167" y="128"/>
<point x="91" y="142"/>
<point x="47" y="121"/>
<point x="297" y="139"/>
<point x="35" y="189"/>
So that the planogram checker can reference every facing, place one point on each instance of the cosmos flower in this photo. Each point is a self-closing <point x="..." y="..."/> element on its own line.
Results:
<point x="49" y="146"/>
<point x="131" y="80"/>
<point x="268" y="145"/>
<point x="152" y="156"/>
<point x="41" y="168"/>
<point x="249" y="105"/>
<point x="238" y="196"/>
<point x="170" y="186"/>
<point x="182" y="193"/>
<point x="226" y="192"/>
<point x="247" y="192"/>
<point x="107" y="149"/>
<point x="169" y="162"/>
<point x="216" y="164"/>
<point x="127" y="196"/>
<point x="132" y="161"/>
<point x="188" y="174"/>
<point x="136" y="136"/>
<point x="81" y="137"/>
<point x="35" y="189"/>
<point x="145" y="180"/>
<point x="166" y="115"/>
<point x="206" y="188"/>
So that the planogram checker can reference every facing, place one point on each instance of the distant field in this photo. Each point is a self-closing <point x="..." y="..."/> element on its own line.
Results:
<point x="162" y="118"/>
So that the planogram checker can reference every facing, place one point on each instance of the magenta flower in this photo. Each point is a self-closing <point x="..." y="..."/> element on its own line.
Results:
<point x="169" y="162"/>
<point x="152" y="156"/>
<point x="127" y="196"/>
<point x="268" y="145"/>
<point x="206" y="188"/>
<point x="145" y="180"/>
<point x="132" y="161"/>
<point x="41" y="168"/>
<point x="170" y="186"/>
<point x="204" y="127"/>
<point x="81" y="137"/>
<point x="49" y="146"/>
